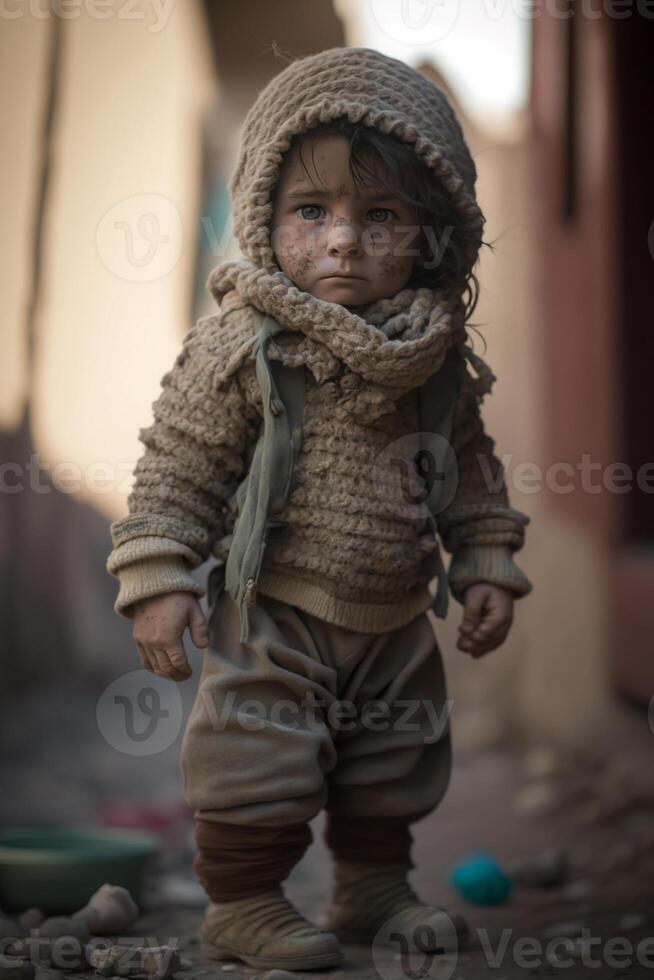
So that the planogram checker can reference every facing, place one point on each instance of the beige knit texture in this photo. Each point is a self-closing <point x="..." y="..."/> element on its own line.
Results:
<point x="369" y="88"/>
<point x="352" y="546"/>
<point x="149" y="566"/>
<point x="348" y="528"/>
<point x="156" y="576"/>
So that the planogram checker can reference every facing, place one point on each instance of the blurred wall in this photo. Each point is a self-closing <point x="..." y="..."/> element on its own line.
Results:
<point x="119" y="229"/>
<point x="550" y="681"/>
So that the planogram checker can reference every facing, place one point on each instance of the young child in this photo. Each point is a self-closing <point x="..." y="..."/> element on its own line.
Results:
<point x="354" y="206"/>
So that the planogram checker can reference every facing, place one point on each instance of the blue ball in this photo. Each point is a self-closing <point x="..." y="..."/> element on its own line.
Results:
<point x="480" y="880"/>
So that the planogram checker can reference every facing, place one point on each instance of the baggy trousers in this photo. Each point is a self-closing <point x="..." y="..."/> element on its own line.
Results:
<point x="307" y="716"/>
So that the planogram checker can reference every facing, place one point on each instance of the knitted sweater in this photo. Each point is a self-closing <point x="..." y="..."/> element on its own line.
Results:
<point x="351" y="546"/>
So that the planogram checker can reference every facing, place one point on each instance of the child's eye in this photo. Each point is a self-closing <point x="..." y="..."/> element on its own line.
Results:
<point x="310" y="208"/>
<point x="380" y="214"/>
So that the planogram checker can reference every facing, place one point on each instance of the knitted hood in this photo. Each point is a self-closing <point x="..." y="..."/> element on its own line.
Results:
<point x="397" y="341"/>
<point x="369" y="88"/>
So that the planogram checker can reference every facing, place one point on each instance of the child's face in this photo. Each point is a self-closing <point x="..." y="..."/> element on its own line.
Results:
<point x="343" y="243"/>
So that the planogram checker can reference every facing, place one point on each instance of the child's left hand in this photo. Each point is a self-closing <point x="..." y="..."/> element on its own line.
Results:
<point x="487" y="618"/>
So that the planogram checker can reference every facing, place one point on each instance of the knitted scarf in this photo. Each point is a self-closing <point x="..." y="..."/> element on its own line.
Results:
<point x="374" y="356"/>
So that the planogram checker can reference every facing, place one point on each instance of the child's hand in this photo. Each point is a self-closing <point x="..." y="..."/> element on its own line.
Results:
<point x="487" y="618"/>
<point x="159" y="623"/>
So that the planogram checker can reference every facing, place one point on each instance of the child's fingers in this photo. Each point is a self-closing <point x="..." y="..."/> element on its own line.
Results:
<point x="487" y="633"/>
<point x="480" y="643"/>
<point x="178" y="660"/>
<point x="492" y="622"/>
<point x="155" y="660"/>
<point x="145" y="656"/>
<point x="486" y="621"/>
<point x="477" y="649"/>
<point x="473" y="611"/>
<point x="160" y="660"/>
<point x="198" y="627"/>
<point x="177" y="671"/>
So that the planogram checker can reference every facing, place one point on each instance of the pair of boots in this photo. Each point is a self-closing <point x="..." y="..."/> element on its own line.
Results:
<point x="266" y="930"/>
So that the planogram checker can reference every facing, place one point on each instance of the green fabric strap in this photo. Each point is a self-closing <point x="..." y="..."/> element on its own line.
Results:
<point x="436" y="402"/>
<point x="264" y="491"/>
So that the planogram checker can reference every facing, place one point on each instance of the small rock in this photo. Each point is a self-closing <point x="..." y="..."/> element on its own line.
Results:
<point x="568" y="930"/>
<point x="125" y="961"/>
<point x="161" y="962"/>
<point x="106" y="961"/>
<point x="111" y="910"/>
<point x="228" y="967"/>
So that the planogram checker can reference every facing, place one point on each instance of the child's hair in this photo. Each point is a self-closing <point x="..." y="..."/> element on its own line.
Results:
<point x="409" y="179"/>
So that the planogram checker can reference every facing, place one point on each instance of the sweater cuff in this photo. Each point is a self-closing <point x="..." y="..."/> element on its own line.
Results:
<point x="138" y="526"/>
<point x="486" y="563"/>
<point x="153" y="576"/>
<point x="149" y="546"/>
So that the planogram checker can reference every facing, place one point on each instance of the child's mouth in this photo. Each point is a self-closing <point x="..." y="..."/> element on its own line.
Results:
<point x="341" y="275"/>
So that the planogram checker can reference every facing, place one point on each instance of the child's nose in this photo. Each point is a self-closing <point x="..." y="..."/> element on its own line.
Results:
<point x="343" y="241"/>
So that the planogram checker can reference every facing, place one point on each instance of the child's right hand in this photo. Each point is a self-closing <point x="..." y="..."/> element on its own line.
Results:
<point x="159" y="623"/>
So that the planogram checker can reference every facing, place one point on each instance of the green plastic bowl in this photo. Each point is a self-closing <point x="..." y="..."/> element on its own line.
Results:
<point x="58" y="868"/>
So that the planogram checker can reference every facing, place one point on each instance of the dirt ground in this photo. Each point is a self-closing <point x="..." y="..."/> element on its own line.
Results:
<point x="512" y="805"/>
<point x="601" y="819"/>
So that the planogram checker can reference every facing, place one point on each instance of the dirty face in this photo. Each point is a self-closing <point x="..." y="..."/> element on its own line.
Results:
<point x="342" y="242"/>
